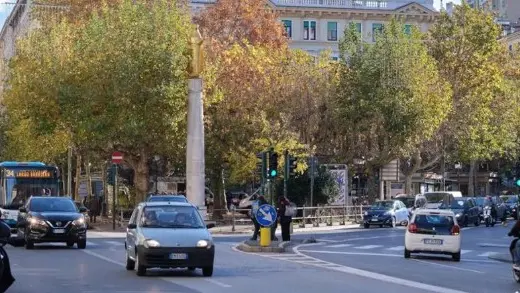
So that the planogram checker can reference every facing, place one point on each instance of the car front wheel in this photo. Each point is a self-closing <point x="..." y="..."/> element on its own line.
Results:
<point x="207" y="271"/>
<point x="140" y="269"/>
<point x="82" y="243"/>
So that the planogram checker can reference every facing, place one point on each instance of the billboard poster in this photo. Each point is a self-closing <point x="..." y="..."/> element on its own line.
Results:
<point x="340" y="196"/>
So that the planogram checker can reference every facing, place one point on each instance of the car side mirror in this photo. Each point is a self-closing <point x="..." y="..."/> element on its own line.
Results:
<point x="132" y="226"/>
<point x="22" y="210"/>
<point x="83" y="210"/>
<point x="210" y="225"/>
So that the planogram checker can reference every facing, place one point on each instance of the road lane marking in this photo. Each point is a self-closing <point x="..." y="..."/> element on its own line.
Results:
<point x="339" y="245"/>
<point x="486" y="254"/>
<point x="396" y="248"/>
<point x="218" y="283"/>
<point x="91" y="243"/>
<point x="94" y="254"/>
<point x="381" y="277"/>
<point x="464" y="251"/>
<point x="327" y="240"/>
<point x="493" y="245"/>
<point x="447" y="266"/>
<point x="368" y="246"/>
<point x="115" y="243"/>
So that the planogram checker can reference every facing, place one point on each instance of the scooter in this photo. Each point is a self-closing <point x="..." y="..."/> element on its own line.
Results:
<point x="488" y="218"/>
<point x="6" y="278"/>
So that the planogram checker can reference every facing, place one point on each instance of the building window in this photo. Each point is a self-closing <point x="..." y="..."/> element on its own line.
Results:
<point x="309" y="30"/>
<point x="408" y="29"/>
<point x="377" y="28"/>
<point x="335" y="58"/>
<point x="358" y="27"/>
<point x="332" y="31"/>
<point x="287" y="24"/>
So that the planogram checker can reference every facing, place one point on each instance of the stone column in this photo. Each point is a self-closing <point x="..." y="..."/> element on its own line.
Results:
<point x="195" y="166"/>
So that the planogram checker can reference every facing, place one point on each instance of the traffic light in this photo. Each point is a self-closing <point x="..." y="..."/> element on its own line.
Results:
<point x="261" y="164"/>
<point x="111" y="175"/>
<point x="292" y="164"/>
<point x="518" y="182"/>
<point x="273" y="164"/>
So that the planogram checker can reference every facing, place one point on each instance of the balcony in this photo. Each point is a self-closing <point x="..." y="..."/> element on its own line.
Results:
<point x="352" y="4"/>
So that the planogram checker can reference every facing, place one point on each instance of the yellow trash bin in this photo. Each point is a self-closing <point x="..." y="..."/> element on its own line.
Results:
<point x="265" y="236"/>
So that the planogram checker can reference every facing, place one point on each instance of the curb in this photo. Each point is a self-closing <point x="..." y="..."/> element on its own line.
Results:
<point x="501" y="257"/>
<point x="280" y="248"/>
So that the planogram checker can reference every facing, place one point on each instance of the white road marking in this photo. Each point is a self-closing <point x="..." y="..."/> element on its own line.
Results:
<point x="448" y="266"/>
<point x="396" y="248"/>
<point x="218" y="283"/>
<point x="339" y="245"/>
<point x="115" y="243"/>
<point x="91" y="243"/>
<point x="215" y="282"/>
<point x="327" y="240"/>
<point x="486" y="254"/>
<point x="493" y="245"/>
<point x="368" y="246"/>
<point x="464" y="251"/>
<point x="384" y="278"/>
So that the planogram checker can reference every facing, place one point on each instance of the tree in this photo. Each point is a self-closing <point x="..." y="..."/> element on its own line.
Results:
<point x="122" y="86"/>
<point x="390" y="96"/>
<point x="251" y="22"/>
<point x="469" y="55"/>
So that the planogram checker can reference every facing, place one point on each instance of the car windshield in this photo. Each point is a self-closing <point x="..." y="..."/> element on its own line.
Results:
<point x="171" y="217"/>
<point x="382" y="205"/>
<point x="456" y="204"/>
<point x="173" y="198"/>
<point x="409" y="202"/>
<point x="52" y="205"/>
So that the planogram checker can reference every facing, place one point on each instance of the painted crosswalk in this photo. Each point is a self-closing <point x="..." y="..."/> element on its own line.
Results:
<point x="393" y="249"/>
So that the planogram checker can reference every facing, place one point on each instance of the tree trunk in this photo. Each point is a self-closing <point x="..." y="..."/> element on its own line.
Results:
<point x="408" y="183"/>
<point x="141" y="174"/>
<point x="78" y="174"/>
<point x="63" y="185"/>
<point x="471" y="177"/>
<point x="104" y="205"/>
<point x="89" y="180"/>
<point x="219" y="202"/>
<point x="372" y="184"/>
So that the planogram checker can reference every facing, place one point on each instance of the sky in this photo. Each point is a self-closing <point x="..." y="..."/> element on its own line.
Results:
<point x="5" y="9"/>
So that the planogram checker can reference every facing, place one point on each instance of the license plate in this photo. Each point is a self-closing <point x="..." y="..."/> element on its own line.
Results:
<point x="59" y="231"/>
<point x="178" y="256"/>
<point x="433" y="241"/>
<point x="374" y="219"/>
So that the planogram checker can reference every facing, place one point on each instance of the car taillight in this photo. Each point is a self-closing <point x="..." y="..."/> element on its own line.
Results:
<point x="455" y="230"/>
<point x="412" y="228"/>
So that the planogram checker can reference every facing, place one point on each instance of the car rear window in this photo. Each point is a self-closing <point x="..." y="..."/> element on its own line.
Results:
<point x="434" y="224"/>
<point x="168" y="198"/>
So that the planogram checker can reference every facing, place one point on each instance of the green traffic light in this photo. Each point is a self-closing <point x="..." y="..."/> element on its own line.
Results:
<point x="518" y="182"/>
<point x="273" y="173"/>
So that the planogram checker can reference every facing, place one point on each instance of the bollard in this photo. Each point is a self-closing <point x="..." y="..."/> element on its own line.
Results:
<point x="233" y="218"/>
<point x="302" y="224"/>
<point x="329" y="220"/>
<point x="265" y="236"/>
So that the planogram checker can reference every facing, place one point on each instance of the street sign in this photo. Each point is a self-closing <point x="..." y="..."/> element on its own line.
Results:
<point x="117" y="157"/>
<point x="266" y="215"/>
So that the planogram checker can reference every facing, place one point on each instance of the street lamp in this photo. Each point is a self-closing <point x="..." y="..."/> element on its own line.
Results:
<point x="458" y="167"/>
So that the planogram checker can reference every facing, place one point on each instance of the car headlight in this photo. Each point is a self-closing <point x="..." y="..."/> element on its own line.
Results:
<point x="79" y="222"/>
<point x="458" y="215"/>
<point x="204" y="243"/>
<point x="35" y="222"/>
<point x="151" y="243"/>
<point x="366" y="213"/>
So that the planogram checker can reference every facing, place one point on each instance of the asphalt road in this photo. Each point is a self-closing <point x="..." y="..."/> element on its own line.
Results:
<point x="351" y="261"/>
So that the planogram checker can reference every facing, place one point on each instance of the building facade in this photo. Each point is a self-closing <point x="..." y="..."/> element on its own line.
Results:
<point x="505" y="10"/>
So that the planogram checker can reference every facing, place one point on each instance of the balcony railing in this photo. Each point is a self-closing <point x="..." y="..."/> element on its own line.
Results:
<point x="356" y="4"/>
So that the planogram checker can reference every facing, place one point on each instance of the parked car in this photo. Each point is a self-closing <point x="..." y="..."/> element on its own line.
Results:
<point x="436" y="198"/>
<point x="167" y="197"/>
<point x="386" y="213"/>
<point x="511" y="202"/>
<point x="433" y="231"/>
<point x="465" y="209"/>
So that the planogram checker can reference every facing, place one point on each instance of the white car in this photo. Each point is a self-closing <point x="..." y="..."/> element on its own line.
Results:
<point x="434" y="232"/>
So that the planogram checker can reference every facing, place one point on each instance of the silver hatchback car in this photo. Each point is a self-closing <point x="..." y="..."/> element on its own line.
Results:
<point x="168" y="235"/>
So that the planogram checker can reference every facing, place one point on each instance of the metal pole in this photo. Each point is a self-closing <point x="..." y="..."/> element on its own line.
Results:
<point x="313" y="167"/>
<point x="69" y="172"/>
<point x="286" y="173"/>
<point x="264" y="167"/>
<point x="114" y="201"/>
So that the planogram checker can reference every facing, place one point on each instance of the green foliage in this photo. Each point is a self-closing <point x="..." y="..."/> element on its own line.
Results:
<point x="469" y="55"/>
<point x="299" y="188"/>
<point x="390" y="96"/>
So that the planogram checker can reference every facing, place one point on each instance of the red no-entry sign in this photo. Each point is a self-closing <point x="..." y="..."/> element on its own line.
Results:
<point x="117" y="157"/>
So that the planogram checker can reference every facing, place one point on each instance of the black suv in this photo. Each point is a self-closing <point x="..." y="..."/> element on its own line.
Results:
<point x="51" y="219"/>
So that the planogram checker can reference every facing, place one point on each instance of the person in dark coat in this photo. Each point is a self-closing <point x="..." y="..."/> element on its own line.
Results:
<point x="6" y="278"/>
<point x="514" y="248"/>
<point x="94" y="209"/>
<point x="285" y="221"/>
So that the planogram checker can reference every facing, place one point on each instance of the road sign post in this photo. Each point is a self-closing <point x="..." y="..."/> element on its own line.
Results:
<point x="117" y="158"/>
<point x="266" y="216"/>
<point x="286" y="172"/>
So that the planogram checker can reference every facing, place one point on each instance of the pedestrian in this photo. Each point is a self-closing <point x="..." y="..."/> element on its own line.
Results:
<point x="254" y="208"/>
<point x="94" y="209"/>
<point x="285" y="213"/>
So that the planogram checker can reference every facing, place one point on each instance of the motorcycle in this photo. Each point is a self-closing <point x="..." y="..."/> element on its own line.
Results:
<point x="488" y="217"/>
<point x="6" y="278"/>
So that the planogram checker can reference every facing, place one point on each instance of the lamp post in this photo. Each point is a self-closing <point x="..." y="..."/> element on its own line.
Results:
<point x="156" y="167"/>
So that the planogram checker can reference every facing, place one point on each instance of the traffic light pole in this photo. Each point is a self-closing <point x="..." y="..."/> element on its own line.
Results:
<point x="287" y="173"/>
<point x="115" y="199"/>
<point x="263" y="171"/>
